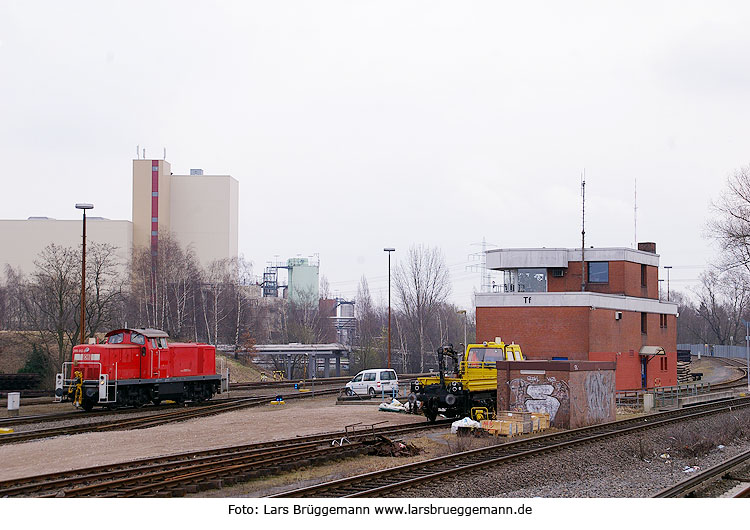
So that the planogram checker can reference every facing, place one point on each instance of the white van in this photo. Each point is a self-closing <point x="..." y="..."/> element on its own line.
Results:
<point x="374" y="382"/>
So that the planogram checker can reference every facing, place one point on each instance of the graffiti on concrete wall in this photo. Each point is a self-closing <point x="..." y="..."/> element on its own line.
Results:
<point x="600" y="388"/>
<point x="533" y="395"/>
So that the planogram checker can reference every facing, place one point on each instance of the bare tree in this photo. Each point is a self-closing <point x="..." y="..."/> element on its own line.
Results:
<point x="422" y="283"/>
<point x="219" y="279"/>
<point x="104" y="289"/>
<point x="731" y="227"/>
<point x="12" y="300"/>
<point x="325" y="287"/>
<point x="243" y="276"/>
<point x="723" y="298"/>
<point x="52" y="301"/>
<point x="369" y="329"/>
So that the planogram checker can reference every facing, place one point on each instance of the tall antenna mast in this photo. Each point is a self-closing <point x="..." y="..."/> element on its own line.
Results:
<point x="583" y="229"/>
<point x="635" y="213"/>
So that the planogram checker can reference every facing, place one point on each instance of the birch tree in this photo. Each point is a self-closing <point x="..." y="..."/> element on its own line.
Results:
<point x="422" y="283"/>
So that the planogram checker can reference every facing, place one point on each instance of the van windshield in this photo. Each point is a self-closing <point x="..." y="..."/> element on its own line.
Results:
<point x="358" y="378"/>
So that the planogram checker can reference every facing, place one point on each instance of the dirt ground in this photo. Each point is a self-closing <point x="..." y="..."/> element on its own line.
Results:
<point x="713" y="371"/>
<point x="271" y="422"/>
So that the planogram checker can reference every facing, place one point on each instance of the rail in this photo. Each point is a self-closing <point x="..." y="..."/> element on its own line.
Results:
<point x="691" y="486"/>
<point x="430" y="471"/>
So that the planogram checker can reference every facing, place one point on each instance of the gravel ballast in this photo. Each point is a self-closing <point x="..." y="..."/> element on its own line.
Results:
<point x="625" y="466"/>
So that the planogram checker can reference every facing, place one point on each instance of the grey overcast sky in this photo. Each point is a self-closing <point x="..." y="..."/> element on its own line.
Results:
<point x="357" y="125"/>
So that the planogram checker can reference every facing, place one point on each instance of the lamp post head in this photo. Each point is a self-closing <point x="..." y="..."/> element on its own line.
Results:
<point x="84" y="206"/>
<point x="389" y="249"/>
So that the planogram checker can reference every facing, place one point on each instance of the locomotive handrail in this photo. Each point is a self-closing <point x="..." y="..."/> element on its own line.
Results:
<point x="78" y="363"/>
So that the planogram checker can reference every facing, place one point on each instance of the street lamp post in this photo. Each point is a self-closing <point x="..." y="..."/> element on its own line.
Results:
<point x="463" y="312"/>
<point x="667" y="267"/>
<point x="83" y="206"/>
<point x="389" y="250"/>
<point x="747" y="350"/>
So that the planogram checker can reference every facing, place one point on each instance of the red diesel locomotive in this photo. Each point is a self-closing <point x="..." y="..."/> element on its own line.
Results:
<point x="136" y="366"/>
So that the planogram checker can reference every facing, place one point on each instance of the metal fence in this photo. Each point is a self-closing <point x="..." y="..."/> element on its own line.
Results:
<point x="665" y="396"/>
<point x="715" y="350"/>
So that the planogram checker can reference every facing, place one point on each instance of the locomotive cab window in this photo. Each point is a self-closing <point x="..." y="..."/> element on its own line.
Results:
<point x="488" y="355"/>
<point x="492" y="355"/>
<point x="137" y="338"/>
<point x="162" y="341"/>
<point x="117" y="338"/>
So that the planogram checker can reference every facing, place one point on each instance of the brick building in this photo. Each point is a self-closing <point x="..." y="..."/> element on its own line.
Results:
<point x="614" y="314"/>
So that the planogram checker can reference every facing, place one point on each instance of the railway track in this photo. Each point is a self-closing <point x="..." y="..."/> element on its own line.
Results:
<point x="190" y="472"/>
<point x="151" y="420"/>
<point x="727" y="479"/>
<point x="413" y="475"/>
<point x="146" y="409"/>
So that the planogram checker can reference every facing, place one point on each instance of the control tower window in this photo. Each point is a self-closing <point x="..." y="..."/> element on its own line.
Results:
<point x="598" y="272"/>
<point x="532" y="280"/>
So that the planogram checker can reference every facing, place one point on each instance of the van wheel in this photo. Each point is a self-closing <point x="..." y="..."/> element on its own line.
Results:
<point x="372" y="392"/>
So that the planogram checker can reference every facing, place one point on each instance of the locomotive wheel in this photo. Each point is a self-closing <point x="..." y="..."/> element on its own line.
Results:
<point x="87" y="405"/>
<point x="156" y="401"/>
<point x="431" y="410"/>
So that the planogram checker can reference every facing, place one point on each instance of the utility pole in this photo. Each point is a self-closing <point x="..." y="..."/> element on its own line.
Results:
<point x="389" y="250"/>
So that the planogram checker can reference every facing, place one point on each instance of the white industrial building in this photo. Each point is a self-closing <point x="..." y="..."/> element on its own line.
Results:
<point x="22" y="241"/>
<point x="197" y="210"/>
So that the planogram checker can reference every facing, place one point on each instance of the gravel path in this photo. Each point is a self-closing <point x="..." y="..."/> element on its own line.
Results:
<point x="626" y="466"/>
<point x="296" y="418"/>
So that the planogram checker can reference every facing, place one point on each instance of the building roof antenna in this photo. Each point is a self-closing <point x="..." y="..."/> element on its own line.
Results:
<point x="138" y="152"/>
<point x="635" y="213"/>
<point x="583" y="229"/>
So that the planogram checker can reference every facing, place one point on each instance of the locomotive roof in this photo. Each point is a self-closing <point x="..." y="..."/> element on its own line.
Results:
<point x="146" y="332"/>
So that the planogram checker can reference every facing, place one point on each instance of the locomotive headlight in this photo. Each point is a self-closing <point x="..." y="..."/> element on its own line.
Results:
<point x="450" y="400"/>
<point x="416" y="388"/>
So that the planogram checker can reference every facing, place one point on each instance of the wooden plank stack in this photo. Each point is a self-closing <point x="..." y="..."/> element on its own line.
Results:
<point x="512" y="423"/>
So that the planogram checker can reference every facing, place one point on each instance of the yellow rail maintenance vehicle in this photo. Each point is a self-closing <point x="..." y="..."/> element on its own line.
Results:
<point x="470" y="389"/>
